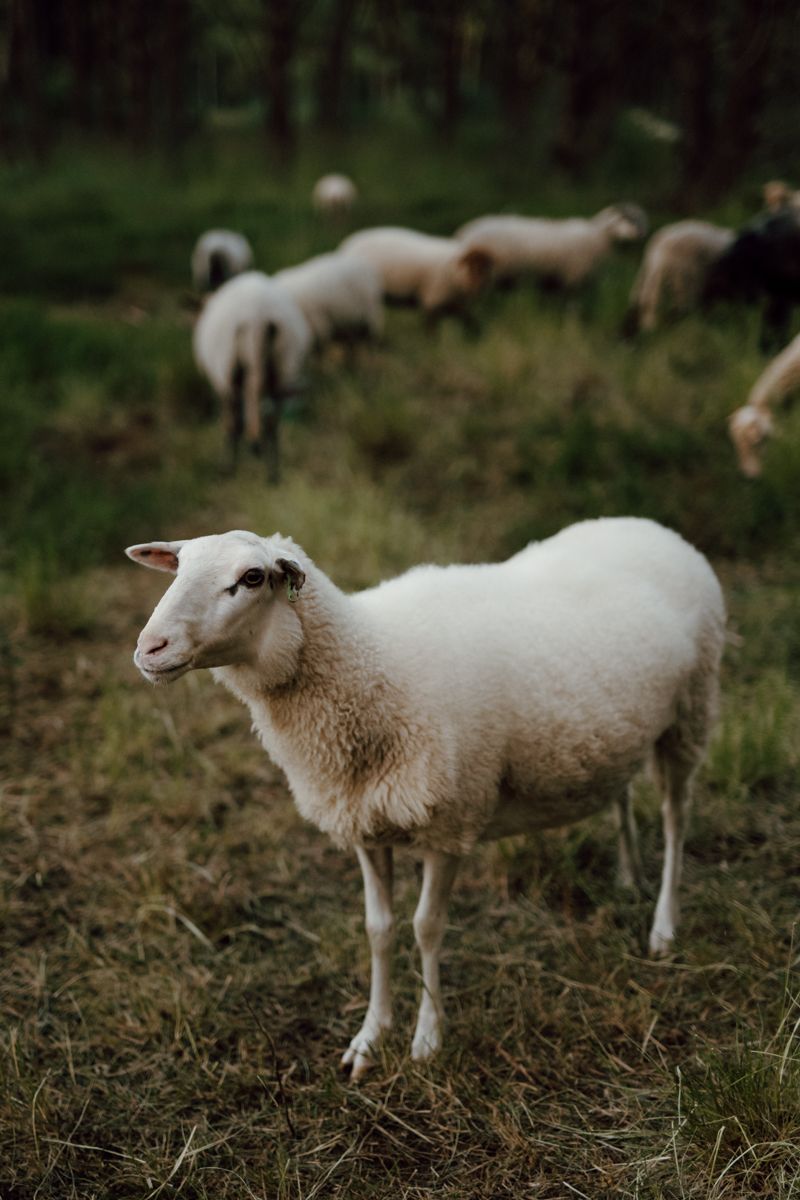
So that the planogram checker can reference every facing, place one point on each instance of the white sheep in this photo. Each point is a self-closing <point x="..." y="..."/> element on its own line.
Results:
<point x="565" y="252"/>
<point x="435" y="273"/>
<point x="334" y="195"/>
<point x="457" y="704"/>
<point x="218" y="255"/>
<point x="674" y="270"/>
<point x="751" y="424"/>
<point x="251" y="341"/>
<point x="340" y="296"/>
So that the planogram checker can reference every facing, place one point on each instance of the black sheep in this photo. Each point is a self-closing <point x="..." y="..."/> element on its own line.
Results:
<point x="762" y="262"/>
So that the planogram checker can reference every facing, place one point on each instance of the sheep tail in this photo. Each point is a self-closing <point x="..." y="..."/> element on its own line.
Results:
<point x="217" y="270"/>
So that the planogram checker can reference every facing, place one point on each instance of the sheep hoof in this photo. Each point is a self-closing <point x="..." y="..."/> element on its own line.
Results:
<point x="661" y="944"/>
<point x="357" y="1060"/>
<point x="628" y="880"/>
<point x="359" y="1057"/>
<point x="425" y="1045"/>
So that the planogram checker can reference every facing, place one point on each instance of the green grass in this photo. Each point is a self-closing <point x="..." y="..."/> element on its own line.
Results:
<point x="182" y="960"/>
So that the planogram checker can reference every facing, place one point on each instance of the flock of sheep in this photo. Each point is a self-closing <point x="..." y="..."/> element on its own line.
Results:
<point x="461" y="704"/>
<point x="255" y="332"/>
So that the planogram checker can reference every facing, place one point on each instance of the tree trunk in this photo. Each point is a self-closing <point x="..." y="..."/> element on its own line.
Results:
<point x="449" y="39"/>
<point x="138" y="73"/>
<point x="108" y="40"/>
<point x="281" y="38"/>
<point x="696" y="74"/>
<point x="737" y="134"/>
<point x="24" y="119"/>
<point x="525" y="34"/>
<point x="595" y="38"/>
<point x="173" y="72"/>
<point x="79" y="25"/>
<point x="334" y="66"/>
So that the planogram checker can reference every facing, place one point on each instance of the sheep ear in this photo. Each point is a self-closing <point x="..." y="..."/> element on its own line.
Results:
<point x="289" y="573"/>
<point x="479" y="266"/>
<point x="161" y="556"/>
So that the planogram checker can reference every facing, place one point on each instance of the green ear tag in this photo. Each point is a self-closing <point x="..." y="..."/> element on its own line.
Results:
<point x="291" y="591"/>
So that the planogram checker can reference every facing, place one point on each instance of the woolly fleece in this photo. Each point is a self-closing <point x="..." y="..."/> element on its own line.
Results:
<point x="460" y="703"/>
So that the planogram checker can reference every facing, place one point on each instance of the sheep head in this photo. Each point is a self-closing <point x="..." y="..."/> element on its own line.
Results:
<point x="231" y="604"/>
<point x="776" y="194"/>
<point x="462" y="274"/>
<point x="475" y="267"/>
<point x="625" y="222"/>
<point x="748" y="427"/>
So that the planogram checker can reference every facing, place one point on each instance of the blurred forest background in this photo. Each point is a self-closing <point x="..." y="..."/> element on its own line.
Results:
<point x="720" y="74"/>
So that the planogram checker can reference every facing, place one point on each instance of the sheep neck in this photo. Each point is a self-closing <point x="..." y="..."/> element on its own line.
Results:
<point x="329" y="667"/>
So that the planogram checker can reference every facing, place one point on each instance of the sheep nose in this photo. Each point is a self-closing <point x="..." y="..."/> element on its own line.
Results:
<point x="152" y="644"/>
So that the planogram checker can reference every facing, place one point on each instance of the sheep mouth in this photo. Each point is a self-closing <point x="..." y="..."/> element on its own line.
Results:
<point x="165" y="674"/>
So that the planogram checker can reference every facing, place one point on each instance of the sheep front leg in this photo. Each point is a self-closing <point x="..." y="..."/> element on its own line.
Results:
<point x="376" y="867"/>
<point x="439" y="871"/>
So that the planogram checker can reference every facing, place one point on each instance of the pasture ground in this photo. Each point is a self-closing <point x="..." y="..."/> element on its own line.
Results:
<point x="182" y="960"/>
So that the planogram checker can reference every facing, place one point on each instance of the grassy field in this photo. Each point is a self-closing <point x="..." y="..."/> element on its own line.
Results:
<point x="182" y="959"/>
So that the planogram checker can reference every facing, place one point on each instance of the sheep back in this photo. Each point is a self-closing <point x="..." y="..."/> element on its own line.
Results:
<point x="492" y="699"/>
<point x="413" y="267"/>
<point x="337" y="293"/>
<point x="218" y="255"/>
<point x="230" y="329"/>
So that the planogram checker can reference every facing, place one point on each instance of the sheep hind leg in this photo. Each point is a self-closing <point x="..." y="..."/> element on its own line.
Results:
<point x="629" y="862"/>
<point x="233" y="412"/>
<point x="271" y="418"/>
<point x="376" y="867"/>
<point x="438" y="873"/>
<point x="675" y="776"/>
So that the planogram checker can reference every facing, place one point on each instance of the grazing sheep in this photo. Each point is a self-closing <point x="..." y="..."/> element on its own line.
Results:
<point x="652" y="126"/>
<point x="340" y="296"/>
<point x="334" y="195"/>
<point x="435" y="273"/>
<point x="565" y="253"/>
<point x="457" y="704"/>
<point x="752" y="423"/>
<point x="778" y="196"/>
<point x="674" y="270"/>
<point x="762" y="262"/>
<point x="748" y="428"/>
<point x="251" y="341"/>
<point x="217" y="256"/>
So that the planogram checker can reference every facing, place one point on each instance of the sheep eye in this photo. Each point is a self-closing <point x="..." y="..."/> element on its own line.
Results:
<point x="253" y="578"/>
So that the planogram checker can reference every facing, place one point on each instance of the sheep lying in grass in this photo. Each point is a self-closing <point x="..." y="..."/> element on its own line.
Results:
<point x="563" y="253"/>
<point x="751" y="424"/>
<point x="218" y="255"/>
<point x="251" y="341"/>
<point x="434" y="273"/>
<point x="340" y="296"/>
<point x="334" y="195"/>
<point x="457" y="704"/>
<point x="674" y="271"/>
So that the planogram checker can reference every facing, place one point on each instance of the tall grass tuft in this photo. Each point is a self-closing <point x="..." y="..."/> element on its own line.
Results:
<point x="758" y="741"/>
<point x="743" y="1113"/>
